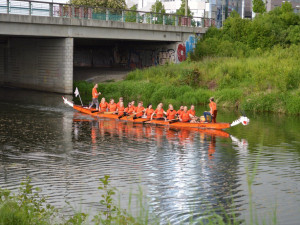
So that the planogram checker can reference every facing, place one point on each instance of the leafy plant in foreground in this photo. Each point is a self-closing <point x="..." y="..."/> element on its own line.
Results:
<point x="27" y="207"/>
<point x="112" y="214"/>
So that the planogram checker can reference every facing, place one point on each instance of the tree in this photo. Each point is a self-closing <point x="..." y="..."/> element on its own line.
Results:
<point x="130" y="15"/>
<point x="158" y="9"/>
<point x="181" y="10"/>
<point x="112" y="4"/>
<point x="259" y="6"/>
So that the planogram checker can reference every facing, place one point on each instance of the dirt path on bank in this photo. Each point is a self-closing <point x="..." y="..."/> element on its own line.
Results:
<point x="97" y="75"/>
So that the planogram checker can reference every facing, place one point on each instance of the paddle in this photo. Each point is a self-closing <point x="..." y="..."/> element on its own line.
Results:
<point x="108" y="113"/>
<point x="131" y="116"/>
<point x="173" y="120"/>
<point x="154" y="119"/>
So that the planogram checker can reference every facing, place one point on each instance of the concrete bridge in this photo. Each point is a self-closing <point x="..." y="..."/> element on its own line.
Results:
<point x="40" y="42"/>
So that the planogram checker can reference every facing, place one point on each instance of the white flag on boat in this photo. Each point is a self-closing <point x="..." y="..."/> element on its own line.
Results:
<point x="76" y="92"/>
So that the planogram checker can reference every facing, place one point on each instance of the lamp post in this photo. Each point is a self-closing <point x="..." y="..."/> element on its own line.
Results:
<point x="186" y="8"/>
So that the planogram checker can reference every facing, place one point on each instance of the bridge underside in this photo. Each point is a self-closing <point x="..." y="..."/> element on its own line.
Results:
<point x="123" y="54"/>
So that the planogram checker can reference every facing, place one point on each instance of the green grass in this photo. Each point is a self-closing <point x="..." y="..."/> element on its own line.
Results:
<point x="265" y="82"/>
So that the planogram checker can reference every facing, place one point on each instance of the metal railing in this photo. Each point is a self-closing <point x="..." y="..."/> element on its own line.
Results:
<point x="52" y="9"/>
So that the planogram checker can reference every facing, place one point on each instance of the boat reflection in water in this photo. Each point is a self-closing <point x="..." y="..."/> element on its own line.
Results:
<point x="148" y="132"/>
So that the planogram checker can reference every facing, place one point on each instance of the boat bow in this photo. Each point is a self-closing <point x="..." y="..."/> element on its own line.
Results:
<point x="67" y="102"/>
<point x="243" y="120"/>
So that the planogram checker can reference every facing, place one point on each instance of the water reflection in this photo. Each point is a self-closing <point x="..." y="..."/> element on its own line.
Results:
<point x="183" y="170"/>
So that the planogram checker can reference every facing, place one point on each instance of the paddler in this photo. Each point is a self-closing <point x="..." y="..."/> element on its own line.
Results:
<point x="159" y="112"/>
<point x="192" y="111"/>
<point x="126" y="110"/>
<point x="185" y="115"/>
<point x="139" y="110"/>
<point x="213" y="111"/>
<point x="149" y="111"/>
<point x="180" y="111"/>
<point x="132" y="105"/>
<point x="103" y="105"/>
<point x="120" y="109"/>
<point x="95" y="95"/>
<point x="120" y="100"/>
<point x="171" y="113"/>
<point x="112" y="106"/>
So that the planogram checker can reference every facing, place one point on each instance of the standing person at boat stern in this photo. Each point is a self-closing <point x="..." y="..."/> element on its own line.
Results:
<point x="213" y="111"/>
<point x="95" y="95"/>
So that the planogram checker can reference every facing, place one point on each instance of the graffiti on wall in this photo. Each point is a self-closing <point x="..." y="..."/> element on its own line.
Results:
<point x="183" y="49"/>
<point x="181" y="52"/>
<point x="131" y="56"/>
<point x="190" y="45"/>
<point x="167" y="56"/>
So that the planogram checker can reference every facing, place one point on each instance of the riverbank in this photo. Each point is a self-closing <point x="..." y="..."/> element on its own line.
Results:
<point x="265" y="82"/>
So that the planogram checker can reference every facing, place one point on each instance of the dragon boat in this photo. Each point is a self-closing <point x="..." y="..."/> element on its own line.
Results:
<point x="176" y="124"/>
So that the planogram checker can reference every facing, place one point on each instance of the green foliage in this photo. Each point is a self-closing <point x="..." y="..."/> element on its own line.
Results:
<point x="258" y="6"/>
<point x="27" y="207"/>
<point x="112" y="214"/>
<point x="241" y="37"/>
<point x="131" y="16"/>
<point x="158" y="9"/>
<point x="112" y="4"/>
<point x="181" y="10"/>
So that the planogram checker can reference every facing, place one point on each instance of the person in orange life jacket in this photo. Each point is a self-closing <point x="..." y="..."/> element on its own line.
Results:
<point x="192" y="113"/>
<point x="126" y="110"/>
<point x="171" y="113"/>
<point x="95" y="95"/>
<point x="213" y="110"/>
<point x="120" y="109"/>
<point x="149" y="111"/>
<point x="112" y="106"/>
<point x="180" y="111"/>
<point x="120" y="100"/>
<point x="133" y="107"/>
<point x="103" y="105"/>
<point x="139" y="110"/>
<point x="185" y="116"/>
<point x="159" y="112"/>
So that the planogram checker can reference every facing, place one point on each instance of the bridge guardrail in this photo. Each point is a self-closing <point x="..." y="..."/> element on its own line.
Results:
<point x="52" y="9"/>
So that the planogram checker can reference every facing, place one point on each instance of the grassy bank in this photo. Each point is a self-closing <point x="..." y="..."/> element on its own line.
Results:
<point x="267" y="81"/>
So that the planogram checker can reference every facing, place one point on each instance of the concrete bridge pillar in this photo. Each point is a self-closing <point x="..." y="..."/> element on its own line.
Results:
<point x="38" y="63"/>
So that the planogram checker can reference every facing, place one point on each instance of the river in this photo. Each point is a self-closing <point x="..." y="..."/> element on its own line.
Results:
<point x="181" y="172"/>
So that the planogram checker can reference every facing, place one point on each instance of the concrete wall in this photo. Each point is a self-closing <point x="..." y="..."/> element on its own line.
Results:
<point x="39" y="64"/>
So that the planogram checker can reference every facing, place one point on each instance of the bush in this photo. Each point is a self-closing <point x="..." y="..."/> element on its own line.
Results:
<point x="239" y="36"/>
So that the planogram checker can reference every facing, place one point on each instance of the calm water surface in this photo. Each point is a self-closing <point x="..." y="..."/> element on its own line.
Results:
<point x="180" y="171"/>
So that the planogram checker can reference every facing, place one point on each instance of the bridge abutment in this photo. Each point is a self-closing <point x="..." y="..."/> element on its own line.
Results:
<point x="37" y="63"/>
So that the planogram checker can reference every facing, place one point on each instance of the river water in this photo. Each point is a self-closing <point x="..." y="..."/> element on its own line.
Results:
<point x="181" y="172"/>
